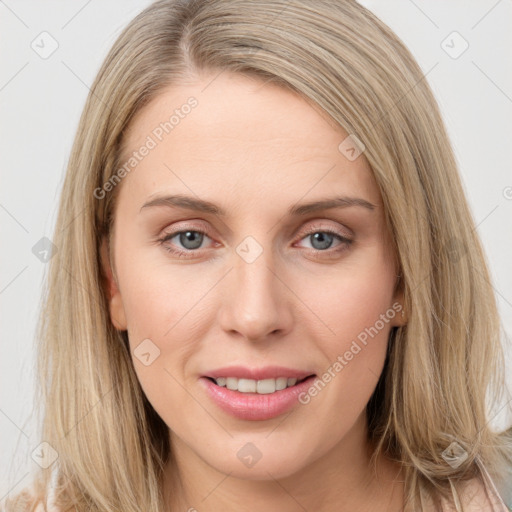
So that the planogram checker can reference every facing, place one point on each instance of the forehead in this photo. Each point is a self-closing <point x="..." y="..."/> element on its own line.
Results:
<point x="232" y="133"/>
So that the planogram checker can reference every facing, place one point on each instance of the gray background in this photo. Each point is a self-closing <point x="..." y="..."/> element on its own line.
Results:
<point x="41" y="101"/>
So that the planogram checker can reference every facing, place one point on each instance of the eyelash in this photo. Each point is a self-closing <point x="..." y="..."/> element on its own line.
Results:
<point x="180" y="253"/>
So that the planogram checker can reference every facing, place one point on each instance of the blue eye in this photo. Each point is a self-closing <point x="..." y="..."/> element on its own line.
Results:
<point x="191" y="240"/>
<point x="322" y="240"/>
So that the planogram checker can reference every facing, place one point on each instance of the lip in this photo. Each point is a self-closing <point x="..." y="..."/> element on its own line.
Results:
<point x="268" y="372"/>
<point x="255" y="406"/>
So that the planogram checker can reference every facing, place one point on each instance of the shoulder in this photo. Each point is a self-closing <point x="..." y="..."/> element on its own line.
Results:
<point x="28" y="500"/>
<point x="476" y="495"/>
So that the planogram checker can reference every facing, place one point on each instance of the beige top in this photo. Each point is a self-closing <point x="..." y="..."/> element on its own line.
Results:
<point x="479" y="498"/>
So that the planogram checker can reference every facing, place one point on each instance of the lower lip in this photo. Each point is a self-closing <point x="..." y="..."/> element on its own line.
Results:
<point x="253" y="406"/>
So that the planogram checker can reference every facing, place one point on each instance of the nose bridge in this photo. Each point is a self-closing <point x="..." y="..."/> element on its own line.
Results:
<point x="255" y="304"/>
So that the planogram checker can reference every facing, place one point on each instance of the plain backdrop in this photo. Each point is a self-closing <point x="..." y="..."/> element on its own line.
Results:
<point x="463" y="47"/>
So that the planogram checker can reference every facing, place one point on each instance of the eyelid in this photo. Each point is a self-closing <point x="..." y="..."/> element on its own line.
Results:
<point x="319" y="225"/>
<point x="314" y="225"/>
<point x="178" y="227"/>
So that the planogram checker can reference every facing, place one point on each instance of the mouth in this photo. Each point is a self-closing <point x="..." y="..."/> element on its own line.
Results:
<point x="257" y="400"/>
<point x="260" y="387"/>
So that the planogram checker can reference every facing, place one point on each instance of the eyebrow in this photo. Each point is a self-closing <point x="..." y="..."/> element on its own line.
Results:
<point x="192" y="203"/>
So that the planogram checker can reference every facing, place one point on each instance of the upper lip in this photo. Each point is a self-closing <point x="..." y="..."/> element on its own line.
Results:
<point x="268" y="372"/>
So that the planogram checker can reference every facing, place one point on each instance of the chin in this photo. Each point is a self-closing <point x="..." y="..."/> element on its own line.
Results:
<point x="250" y="463"/>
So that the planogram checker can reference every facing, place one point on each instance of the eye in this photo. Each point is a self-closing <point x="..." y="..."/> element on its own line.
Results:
<point x="189" y="239"/>
<point x="322" y="240"/>
<point x="187" y="243"/>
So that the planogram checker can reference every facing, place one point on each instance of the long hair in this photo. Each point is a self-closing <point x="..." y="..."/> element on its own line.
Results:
<point x="444" y="370"/>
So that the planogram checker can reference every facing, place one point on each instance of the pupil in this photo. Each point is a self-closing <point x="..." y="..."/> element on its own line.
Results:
<point x="325" y="240"/>
<point x="187" y="239"/>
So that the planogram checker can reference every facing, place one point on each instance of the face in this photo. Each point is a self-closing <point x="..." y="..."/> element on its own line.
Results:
<point x="227" y="268"/>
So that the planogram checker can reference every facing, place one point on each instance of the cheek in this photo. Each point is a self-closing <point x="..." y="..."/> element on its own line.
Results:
<point x="352" y="300"/>
<point x="169" y="312"/>
<point x="356" y="317"/>
<point x="160" y="317"/>
<point x="158" y="297"/>
<point x="162" y="312"/>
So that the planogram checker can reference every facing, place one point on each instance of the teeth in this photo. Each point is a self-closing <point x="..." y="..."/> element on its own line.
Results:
<point x="231" y="383"/>
<point x="281" y="383"/>
<point x="248" y="385"/>
<point x="263" y="387"/>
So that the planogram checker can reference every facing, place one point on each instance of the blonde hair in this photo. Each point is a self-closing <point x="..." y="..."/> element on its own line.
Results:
<point x="444" y="370"/>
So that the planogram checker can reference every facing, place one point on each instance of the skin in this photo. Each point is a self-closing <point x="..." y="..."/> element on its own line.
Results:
<point x="255" y="150"/>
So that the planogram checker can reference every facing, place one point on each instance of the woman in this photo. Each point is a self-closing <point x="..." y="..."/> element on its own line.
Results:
<point x="268" y="292"/>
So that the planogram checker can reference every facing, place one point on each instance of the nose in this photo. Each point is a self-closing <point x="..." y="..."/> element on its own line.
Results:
<point x="256" y="301"/>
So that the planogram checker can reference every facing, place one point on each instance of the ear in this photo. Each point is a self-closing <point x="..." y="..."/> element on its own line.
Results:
<point x="116" y="308"/>
<point x="401" y="316"/>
